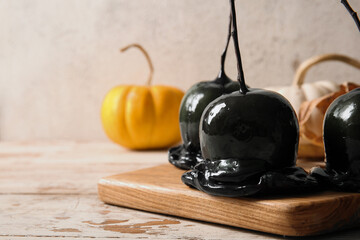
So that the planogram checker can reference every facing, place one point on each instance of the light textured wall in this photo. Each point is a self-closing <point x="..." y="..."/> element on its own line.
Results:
<point x="58" y="58"/>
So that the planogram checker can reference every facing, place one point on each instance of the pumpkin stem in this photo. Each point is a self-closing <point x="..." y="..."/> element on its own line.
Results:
<point x="240" y="78"/>
<point x="222" y="74"/>
<point x="352" y="13"/>
<point x="138" y="46"/>
<point x="305" y="66"/>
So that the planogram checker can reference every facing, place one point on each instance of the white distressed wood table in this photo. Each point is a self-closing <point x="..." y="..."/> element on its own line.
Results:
<point x="49" y="190"/>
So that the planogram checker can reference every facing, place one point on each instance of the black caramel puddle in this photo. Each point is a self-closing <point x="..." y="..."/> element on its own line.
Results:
<point x="220" y="181"/>
<point x="342" y="144"/>
<point x="184" y="158"/>
<point x="249" y="140"/>
<point x="188" y="154"/>
<point x="340" y="181"/>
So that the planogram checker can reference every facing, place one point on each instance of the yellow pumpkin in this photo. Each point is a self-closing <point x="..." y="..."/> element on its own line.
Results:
<point x="142" y="117"/>
<point x="299" y="92"/>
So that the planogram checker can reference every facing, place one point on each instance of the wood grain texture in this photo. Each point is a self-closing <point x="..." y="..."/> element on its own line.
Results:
<point x="85" y="216"/>
<point x="159" y="189"/>
<point x="65" y="167"/>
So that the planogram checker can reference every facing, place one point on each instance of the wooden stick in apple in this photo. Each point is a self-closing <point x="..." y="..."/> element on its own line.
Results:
<point x="240" y="78"/>
<point x="352" y="13"/>
<point x="222" y="75"/>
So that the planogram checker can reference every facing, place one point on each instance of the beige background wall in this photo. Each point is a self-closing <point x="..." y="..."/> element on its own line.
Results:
<point x="58" y="58"/>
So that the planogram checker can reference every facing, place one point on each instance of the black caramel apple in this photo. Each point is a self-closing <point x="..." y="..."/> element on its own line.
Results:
<point x="341" y="134"/>
<point x="187" y="155"/>
<point x="249" y="141"/>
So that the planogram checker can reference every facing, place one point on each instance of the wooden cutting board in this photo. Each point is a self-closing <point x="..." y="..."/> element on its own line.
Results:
<point x="160" y="190"/>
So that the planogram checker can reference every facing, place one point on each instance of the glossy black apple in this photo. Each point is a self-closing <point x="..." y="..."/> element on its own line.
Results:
<point x="188" y="154"/>
<point x="193" y="104"/>
<point x="259" y="128"/>
<point x="341" y="134"/>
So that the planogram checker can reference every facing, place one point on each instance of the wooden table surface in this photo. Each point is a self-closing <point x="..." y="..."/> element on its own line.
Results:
<point x="49" y="189"/>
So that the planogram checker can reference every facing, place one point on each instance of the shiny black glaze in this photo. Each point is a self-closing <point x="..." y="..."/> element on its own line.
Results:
<point x="192" y="106"/>
<point x="342" y="143"/>
<point x="250" y="144"/>
<point x="183" y="158"/>
<point x="257" y="126"/>
<point x="211" y="178"/>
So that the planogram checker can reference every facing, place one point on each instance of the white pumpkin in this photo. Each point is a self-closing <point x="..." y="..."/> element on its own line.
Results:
<point x="299" y="92"/>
